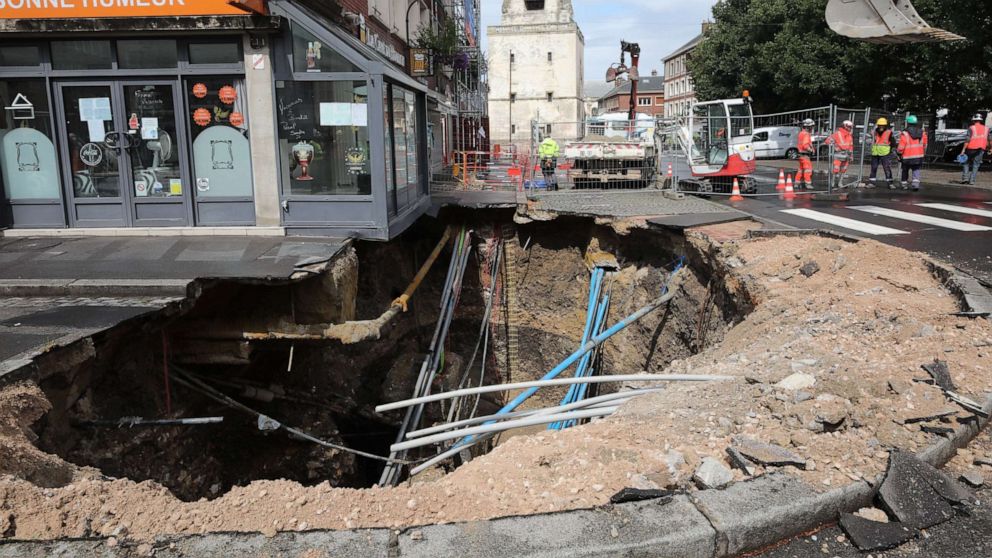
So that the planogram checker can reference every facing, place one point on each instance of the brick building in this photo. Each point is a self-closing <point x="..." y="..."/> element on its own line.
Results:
<point x="650" y="96"/>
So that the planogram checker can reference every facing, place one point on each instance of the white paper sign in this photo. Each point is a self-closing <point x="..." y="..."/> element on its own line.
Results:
<point x="257" y="62"/>
<point x="359" y="115"/>
<point x="96" y="130"/>
<point x="94" y="108"/>
<point x="149" y="128"/>
<point x="335" y="114"/>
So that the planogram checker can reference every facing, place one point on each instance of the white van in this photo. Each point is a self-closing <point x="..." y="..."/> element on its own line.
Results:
<point x="776" y="142"/>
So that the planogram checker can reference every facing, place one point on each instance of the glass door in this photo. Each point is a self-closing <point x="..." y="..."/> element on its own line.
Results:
<point x="92" y="148"/>
<point x="122" y="155"/>
<point x="155" y="157"/>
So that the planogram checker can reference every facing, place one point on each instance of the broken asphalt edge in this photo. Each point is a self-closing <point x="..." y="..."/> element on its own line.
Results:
<point x="744" y="517"/>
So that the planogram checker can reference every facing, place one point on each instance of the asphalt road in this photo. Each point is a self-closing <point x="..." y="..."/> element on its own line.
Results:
<point x="953" y="224"/>
<point x="968" y="535"/>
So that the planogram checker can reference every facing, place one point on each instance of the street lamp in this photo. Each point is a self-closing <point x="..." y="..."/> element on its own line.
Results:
<point x="885" y="102"/>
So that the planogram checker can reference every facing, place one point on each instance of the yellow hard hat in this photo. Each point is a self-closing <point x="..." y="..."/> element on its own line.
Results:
<point x="882" y="122"/>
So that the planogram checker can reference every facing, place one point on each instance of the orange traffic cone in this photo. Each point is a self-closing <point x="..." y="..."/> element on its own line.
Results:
<point x="781" y="180"/>
<point x="735" y="195"/>
<point x="790" y="192"/>
<point x="670" y="170"/>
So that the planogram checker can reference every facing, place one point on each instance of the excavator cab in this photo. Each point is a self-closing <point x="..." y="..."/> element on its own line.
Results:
<point x="883" y="21"/>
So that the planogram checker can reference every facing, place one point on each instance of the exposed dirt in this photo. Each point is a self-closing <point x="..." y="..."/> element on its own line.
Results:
<point x="861" y="325"/>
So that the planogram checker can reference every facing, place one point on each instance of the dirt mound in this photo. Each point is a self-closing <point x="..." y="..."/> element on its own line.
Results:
<point x="849" y="323"/>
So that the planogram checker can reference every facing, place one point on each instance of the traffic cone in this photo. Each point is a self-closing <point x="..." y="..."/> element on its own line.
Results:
<point x="790" y="192"/>
<point x="735" y="195"/>
<point x="781" y="180"/>
<point x="670" y="170"/>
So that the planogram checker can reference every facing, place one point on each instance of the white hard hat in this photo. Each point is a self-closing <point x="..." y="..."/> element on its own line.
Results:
<point x="977" y="118"/>
<point x="809" y="122"/>
<point x="848" y="124"/>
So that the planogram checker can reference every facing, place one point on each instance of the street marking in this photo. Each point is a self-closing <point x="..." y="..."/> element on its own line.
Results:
<point x="844" y="222"/>
<point x="957" y="209"/>
<point x="917" y="218"/>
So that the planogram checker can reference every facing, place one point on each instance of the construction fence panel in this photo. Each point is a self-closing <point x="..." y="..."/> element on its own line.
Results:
<point x="501" y="169"/>
<point x="776" y="142"/>
<point x="597" y="154"/>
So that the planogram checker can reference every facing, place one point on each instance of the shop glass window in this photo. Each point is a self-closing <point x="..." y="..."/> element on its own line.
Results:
<point x="405" y="138"/>
<point x="324" y="137"/>
<point x="310" y="55"/>
<point x="28" y="164"/>
<point x="147" y="53"/>
<point x="215" y="53"/>
<point x="218" y="123"/>
<point x="19" y="55"/>
<point x="388" y="135"/>
<point x="81" y="55"/>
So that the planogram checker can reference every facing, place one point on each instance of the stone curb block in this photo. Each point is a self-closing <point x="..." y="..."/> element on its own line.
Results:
<point x="92" y="287"/>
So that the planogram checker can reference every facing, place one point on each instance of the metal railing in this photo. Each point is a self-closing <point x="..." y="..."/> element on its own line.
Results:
<point x="594" y="155"/>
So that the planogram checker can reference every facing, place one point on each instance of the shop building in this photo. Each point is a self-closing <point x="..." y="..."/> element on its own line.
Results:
<point x="173" y="113"/>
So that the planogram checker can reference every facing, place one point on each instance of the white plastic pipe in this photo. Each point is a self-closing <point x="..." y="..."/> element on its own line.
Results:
<point x="548" y="383"/>
<point x="612" y="398"/>
<point x="504" y="426"/>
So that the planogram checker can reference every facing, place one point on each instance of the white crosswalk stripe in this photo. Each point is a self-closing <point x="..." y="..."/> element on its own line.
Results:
<point x="850" y="224"/>
<point x="957" y="209"/>
<point x="918" y="218"/>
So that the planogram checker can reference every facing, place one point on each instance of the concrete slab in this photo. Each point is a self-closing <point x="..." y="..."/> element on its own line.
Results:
<point x="16" y="343"/>
<point x="474" y="199"/>
<point x="643" y="203"/>
<point x="673" y="530"/>
<point x="688" y="221"/>
<point x="149" y="258"/>
<point x="78" y="317"/>
<point x="870" y="535"/>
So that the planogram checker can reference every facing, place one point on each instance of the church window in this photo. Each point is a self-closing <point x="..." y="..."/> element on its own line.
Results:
<point x="534" y="4"/>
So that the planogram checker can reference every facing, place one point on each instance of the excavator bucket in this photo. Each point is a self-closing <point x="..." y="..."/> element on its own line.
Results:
<point x="883" y="21"/>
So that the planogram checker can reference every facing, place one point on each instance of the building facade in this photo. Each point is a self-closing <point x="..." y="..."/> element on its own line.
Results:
<point x="680" y="92"/>
<point x="650" y="97"/>
<point x="536" y="64"/>
<point x="288" y="114"/>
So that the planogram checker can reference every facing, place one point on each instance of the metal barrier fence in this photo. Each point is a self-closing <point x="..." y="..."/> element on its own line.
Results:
<point x="504" y="169"/>
<point x="598" y="154"/>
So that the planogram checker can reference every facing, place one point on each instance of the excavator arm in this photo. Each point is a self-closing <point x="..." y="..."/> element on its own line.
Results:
<point x="883" y="21"/>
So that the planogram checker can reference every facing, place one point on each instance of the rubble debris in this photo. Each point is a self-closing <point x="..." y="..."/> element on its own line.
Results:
<point x="868" y="535"/>
<point x="797" y="382"/>
<point x="639" y="495"/>
<point x="918" y="494"/>
<point x="941" y="374"/>
<point x="809" y="269"/>
<point x="873" y="514"/>
<point x="973" y="479"/>
<point x="741" y="462"/>
<point x="938" y="430"/>
<point x="712" y="474"/>
<point x="983" y="461"/>
<point x="768" y="455"/>
<point x="913" y="418"/>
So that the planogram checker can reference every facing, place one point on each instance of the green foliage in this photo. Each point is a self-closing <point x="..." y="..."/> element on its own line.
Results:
<point x="443" y="42"/>
<point x="784" y="52"/>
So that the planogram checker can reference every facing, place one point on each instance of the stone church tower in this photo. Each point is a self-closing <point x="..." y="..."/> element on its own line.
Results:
<point x="536" y="71"/>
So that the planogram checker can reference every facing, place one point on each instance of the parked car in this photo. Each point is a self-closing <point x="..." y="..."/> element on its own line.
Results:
<point x="776" y="142"/>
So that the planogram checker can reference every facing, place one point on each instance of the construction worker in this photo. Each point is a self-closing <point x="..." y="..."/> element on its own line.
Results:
<point x="843" y="142"/>
<point x="974" y="149"/>
<point x="548" y="152"/>
<point x="806" y="154"/>
<point x="883" y="144"/>
<point x="912" y="149"/>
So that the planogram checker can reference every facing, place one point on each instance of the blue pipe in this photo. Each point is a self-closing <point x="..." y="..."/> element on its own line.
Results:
<point x="589" y="346"/>
<point x="595" y="289"/>
<point x="578" y="392"/>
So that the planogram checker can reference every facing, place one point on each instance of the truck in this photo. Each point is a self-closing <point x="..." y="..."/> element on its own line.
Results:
<point x="614" y="152"/>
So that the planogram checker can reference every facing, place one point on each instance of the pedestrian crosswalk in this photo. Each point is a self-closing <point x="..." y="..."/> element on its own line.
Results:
<point x="970" y="218"/>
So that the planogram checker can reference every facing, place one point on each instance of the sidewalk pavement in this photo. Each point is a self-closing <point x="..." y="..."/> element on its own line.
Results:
<point x="55" y="291"/>
<point x="929" y="176"/>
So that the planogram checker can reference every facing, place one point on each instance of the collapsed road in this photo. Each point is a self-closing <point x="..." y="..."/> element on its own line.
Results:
<point x="820" y="342"/>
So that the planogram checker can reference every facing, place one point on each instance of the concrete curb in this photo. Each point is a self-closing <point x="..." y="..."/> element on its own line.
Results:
<point x="93" y="287"/>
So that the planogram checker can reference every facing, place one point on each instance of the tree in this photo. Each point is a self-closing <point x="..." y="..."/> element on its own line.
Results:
<point x="786" y="55"/>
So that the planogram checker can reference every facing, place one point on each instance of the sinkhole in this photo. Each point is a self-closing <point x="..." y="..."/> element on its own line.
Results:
<point x="191" y="361"/>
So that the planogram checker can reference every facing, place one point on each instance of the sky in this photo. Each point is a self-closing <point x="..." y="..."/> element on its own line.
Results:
<point x="660" y="26"/>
